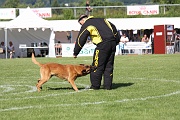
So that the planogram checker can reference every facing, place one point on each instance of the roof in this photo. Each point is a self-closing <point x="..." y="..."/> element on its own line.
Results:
<point x="28" y="19"/>
<point x="32" y="21"/>
<point x="65" y="25"/>
<point x="120" y="23"/>
<point x="144" y="23"/>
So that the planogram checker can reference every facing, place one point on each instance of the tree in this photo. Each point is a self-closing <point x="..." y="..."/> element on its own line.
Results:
<point x="11" y="3"/>
<point x="166" y="1"/>
<point x="28" y="1"/>
<point x="55" y="4"/>
<point x="39" y="3"/>
<point x="173" y="1"/>
<point x="2" y="2"/>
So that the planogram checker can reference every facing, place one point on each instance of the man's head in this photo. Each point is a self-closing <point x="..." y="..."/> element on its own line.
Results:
<point x="82" y="19"/>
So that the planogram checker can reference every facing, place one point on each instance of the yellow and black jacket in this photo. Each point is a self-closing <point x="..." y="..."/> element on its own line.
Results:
<point x="100" y="30"/>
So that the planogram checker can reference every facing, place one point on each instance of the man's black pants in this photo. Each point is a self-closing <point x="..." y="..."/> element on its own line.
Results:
<point x="103" y="59"/>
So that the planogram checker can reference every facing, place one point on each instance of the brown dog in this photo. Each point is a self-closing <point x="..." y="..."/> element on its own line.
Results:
<point x="68" y="72"/>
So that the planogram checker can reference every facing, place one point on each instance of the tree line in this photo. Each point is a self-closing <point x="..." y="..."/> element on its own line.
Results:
<point x="47" y="3"/>
<point x="171" y="11"/>
<point x="58" y="3"/>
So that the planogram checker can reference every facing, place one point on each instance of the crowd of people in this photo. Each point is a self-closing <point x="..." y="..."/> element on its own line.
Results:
<point x="147" y="36"/>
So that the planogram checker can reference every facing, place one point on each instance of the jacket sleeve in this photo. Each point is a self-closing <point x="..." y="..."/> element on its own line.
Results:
<point x="81" y="40"/>
<point x="116" y="33"/>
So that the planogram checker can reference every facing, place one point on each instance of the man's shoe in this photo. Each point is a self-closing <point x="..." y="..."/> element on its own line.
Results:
<point x="88" y="88"/>
<point x="93" y="88"/>
<point x="107" y="88"/>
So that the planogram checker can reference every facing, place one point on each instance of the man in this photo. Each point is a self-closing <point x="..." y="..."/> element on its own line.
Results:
<point x="88" y="8"/>
<point x="105" y="36"/>
<point x="124" y="39"/>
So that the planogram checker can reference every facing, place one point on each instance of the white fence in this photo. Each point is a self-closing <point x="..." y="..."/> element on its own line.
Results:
<point x="163" y="9"/>
<point x="66" y="49"/>
<point x="88" y="49"/>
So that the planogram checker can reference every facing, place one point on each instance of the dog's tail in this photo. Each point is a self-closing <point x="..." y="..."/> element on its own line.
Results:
<point x="34" y="61"/>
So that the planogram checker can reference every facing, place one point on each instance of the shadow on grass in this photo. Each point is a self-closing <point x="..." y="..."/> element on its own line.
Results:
<point x="62" y="88"/>
<point x="118" y="85"/>
<point x="114" y="86"/>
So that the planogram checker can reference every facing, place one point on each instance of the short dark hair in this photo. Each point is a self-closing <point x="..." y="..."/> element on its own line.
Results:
<point x="81" y="17"/>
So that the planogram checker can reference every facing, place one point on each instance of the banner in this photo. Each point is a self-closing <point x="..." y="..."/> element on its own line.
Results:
<point x="143" y="10"/>
<point x="135" y="45"/>
<point x="87" y="50"/>
<point x="7" y="13"/>
<point x="41" y="12"/>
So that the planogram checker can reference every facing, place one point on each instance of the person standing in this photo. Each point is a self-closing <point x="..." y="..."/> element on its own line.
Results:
<point x="88" y="8"/>
<point x="3" y="50"/>
<point x="124" y="39"/>
<point x="146" y="40"/>
<point x="11" y="50"/>
<point x="152" y="42"/>
<point x="3" y="47"/>
<point x="176" y="40"/>
<point x="58" y="48"/>
<point x="105" y="36"/>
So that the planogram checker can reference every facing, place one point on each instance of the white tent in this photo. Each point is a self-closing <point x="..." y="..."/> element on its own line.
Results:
<point x="73" y="25"/>
<point x="121" y="23"/>
<point x="28" y="28"/>
<point x="28" y="22"/>
<point x="144" y="23"/>
<point x="65" y="25"/>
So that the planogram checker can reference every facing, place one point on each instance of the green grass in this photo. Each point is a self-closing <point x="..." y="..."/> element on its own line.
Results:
<point x="145" y="87"/>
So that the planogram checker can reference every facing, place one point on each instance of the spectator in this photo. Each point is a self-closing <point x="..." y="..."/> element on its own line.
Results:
<point x="124" y="39"/>
<point x="11" y="50"/>
<point x="3" y="47"/>
<point x="178" y="42"/>
<point x="58" y="48"/>
<point x="152" y="42"/>
<point x="176" y="39"/>
<point x="146" y="40"/>
<point x="88" y="8"/>
<point x="68" y="36"/>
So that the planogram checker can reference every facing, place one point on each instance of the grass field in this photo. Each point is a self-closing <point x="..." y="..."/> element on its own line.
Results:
<point x="145" y="87"/>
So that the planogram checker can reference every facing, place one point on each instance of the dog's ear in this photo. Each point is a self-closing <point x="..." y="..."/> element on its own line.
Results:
<point x="86" y="66"/>
<point x="82" y="64"/>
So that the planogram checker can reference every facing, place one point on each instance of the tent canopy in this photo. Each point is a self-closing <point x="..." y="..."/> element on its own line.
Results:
<point x="121" y="23"/>
<point x="28" y="28"/>
<point x="28" y="19"/>
<point x="144" y="23"/>
<point x="33" y="21"/>
<point x="65" y="25"/>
